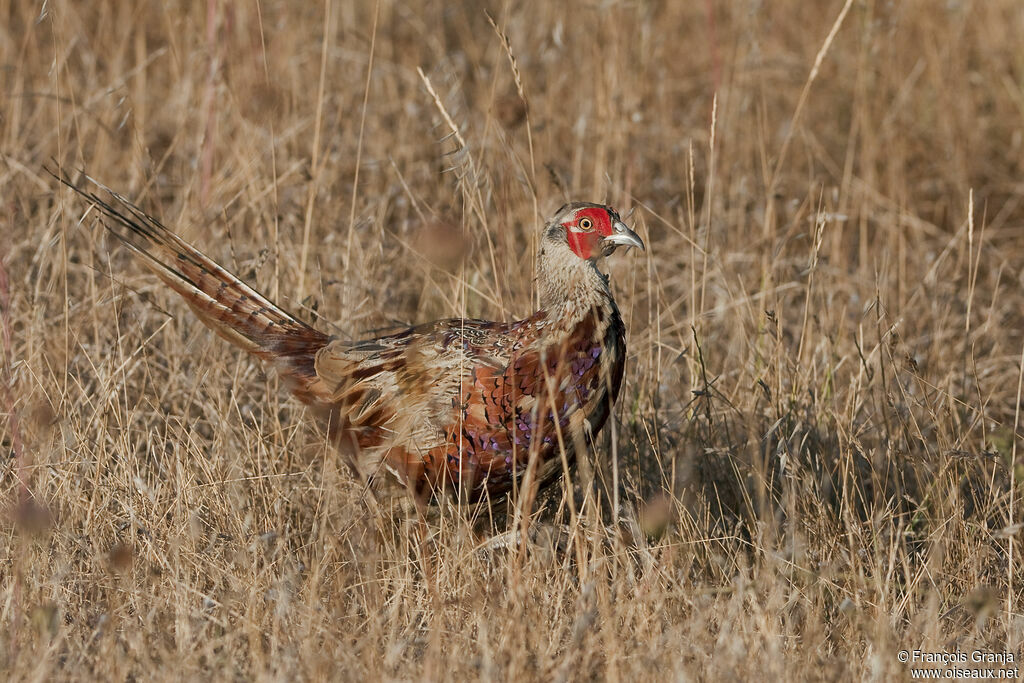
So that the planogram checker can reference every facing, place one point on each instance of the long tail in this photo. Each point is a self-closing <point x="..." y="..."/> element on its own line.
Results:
<point x="228" y="306"/>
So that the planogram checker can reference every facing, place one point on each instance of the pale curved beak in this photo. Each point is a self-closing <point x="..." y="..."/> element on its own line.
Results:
<point x="625" y="237"/>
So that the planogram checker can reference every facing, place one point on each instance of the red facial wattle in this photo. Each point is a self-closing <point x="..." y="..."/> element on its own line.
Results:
<point x="584" y="242"/>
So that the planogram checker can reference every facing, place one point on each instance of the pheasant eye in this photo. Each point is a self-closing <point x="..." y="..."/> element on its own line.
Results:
<point x="586" y="224"/>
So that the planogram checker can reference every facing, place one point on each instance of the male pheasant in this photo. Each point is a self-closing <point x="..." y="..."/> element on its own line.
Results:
<point x="461" y="405"/>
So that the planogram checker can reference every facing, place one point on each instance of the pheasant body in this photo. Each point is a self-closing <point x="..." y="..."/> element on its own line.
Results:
<point x="480" y="399"/>
<point x="463" y="406"/>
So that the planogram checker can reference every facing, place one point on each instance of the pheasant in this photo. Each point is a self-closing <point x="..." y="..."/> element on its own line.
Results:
<point x="461" y="406"/>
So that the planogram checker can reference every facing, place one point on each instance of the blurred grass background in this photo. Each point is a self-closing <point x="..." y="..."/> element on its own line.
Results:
<point x="813" y="462"/>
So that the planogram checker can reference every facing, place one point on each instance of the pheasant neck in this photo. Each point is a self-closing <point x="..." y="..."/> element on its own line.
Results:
<point x="569" y="286"/>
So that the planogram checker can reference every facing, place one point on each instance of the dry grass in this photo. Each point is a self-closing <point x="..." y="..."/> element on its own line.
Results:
<point x="815" y="445"/>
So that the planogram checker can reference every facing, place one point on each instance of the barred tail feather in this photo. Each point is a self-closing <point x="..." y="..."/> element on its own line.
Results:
<point x="228" y="306"/>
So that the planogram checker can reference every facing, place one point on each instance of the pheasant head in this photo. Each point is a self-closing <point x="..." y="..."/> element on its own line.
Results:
<point x="590" y="230"/>
<point x="579" y="234"/>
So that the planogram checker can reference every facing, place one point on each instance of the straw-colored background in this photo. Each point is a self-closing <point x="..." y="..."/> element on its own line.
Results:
<point x="814" y="443"/>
